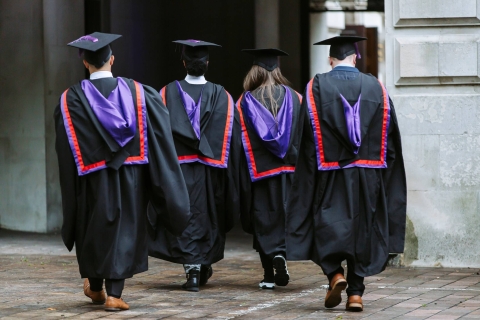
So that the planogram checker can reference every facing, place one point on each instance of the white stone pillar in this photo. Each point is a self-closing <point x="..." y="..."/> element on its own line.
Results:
<point x="323" y="25"/>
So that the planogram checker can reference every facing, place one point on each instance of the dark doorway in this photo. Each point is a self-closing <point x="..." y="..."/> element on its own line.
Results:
<point x="146" y="52"/>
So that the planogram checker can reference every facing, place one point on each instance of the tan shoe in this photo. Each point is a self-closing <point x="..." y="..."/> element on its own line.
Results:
<point x="98" y="297"/>
<point x="354" y="303"/>
<point x="334" y="295"/>
<point x="115" y="304"/>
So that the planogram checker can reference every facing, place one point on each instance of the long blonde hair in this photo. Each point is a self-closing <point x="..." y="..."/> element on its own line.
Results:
<point x="262" y="81"/>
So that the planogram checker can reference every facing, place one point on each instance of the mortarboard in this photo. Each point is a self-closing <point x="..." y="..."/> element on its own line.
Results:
<point x="342" y="46"/>
<point x="95" y="47"/>
<point x="266" y="58"/>
<point x="195" y="49"/>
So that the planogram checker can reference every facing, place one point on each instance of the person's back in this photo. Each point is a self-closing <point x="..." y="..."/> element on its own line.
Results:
<point x="348" y="199"/>
<point x="111" y="161"/>
<point x="271" y="119"/>
<point x="203" y="123"/>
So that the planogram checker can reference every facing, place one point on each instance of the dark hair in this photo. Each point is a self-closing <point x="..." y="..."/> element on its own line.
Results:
<point x="196" y="67"/>
<point x="98" y="58"/>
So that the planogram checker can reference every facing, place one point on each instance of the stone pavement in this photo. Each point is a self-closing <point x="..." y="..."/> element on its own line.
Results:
<point x="39" y="280"/>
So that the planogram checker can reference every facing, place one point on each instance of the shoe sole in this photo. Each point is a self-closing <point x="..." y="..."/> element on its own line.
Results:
<point x="95" y="301"/>
<point x="336" y="295"/>
<point x="114" y="309"/>
<point x="267" y="287"/>
<point x="356" y="307"/>
<point x="194" y="289"/>
<point x="281" y="273"/>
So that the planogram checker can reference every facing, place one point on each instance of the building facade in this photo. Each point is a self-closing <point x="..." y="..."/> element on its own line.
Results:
<point x="431" y="70"/>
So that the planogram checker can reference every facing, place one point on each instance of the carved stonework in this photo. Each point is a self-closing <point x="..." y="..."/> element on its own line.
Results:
<point x="437" y="59"/>
<point x="415" y="13"/>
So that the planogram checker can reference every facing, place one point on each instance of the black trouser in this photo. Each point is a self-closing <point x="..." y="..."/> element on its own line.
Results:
<point x="267" y="264"/>
<point x="114" y="287"/>
<point x="355" y="282"/>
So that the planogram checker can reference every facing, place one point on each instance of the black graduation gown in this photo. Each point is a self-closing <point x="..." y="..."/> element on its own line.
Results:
<point x="209" y="167"/>
<point x="266" y="180"/>
<point x="105" y="208"/>
<point x="356" y="213"/>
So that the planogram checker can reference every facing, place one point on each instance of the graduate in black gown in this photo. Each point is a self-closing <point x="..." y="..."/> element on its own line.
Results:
<point x="116" y="157"/>
<point x="271" y="120"/>
<point x="207" y="140"/>
<point x="348" y="199"/>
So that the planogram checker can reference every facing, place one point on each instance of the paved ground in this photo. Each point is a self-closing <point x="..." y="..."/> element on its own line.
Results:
<point x="39" y="280"/>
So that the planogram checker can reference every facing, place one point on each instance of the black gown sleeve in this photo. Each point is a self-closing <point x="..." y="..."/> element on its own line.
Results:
<point x="68" y="180"/>
<point x="169" y="201"/>
<point x="244" y="183"/>
<point x="299" y="217"/>
<point x="395" y="186"/>
<point x="232" y="194"/>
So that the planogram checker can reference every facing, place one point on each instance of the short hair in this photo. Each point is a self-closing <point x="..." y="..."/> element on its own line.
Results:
<point x="196" y="67"/>
<point x="98" y="58"/>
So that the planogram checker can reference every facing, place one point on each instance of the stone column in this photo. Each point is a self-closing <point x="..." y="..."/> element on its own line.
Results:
<point x="266" y="24"/>
<point x="63" y="21"/>
<point x="36" y="67"/>
<point x="433" y="77"/>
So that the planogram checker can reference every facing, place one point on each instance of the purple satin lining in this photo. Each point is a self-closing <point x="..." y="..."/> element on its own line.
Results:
<point x="116" y="113"/>
<point x="275" y="133"/>
<point x="352" y="119"/>
<point x="97" y="168"/>
<point x="192" y="108"/>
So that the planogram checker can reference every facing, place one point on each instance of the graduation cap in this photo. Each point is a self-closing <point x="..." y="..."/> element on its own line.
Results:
<point x="95" y="47"/>
<point x="195" y="49"/>
<point x="342" y="46"/>
<point x="266" y="58"/>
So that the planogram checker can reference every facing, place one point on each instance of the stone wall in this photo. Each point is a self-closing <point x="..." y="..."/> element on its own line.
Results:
<point x="36" y="67"/>
<point x="432" y="54"/>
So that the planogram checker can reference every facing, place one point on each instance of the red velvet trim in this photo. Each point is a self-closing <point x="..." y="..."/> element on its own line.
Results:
<point x="162" y="94"/>
<point x="140" y="125"/>
<point x="84" y="168"/>
<point x="319" y="135"/>
<point x="75" y="140"/>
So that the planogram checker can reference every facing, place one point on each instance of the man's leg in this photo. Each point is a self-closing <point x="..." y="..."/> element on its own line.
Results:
<point x="268" y="281"/>
<point x="96" y="284"/>
<point x="114" y="289"/>
<point x="355" y="289"/>
<point x="92" y="288"/>
<point x="355" y="284"/>
<point x="192" y="272"/>
<point x="206" y="272"/>
<point x="336" y="284"/>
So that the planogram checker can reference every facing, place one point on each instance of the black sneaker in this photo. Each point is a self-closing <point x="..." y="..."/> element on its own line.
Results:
<point x="205" y="274"/>
<point x="281" y="271"/>
<point x="193" y="281"/>
<point x="267" y="283"/>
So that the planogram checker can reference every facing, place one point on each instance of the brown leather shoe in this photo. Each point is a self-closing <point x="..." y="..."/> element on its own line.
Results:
<point x="98" y="297"/>
<point x="334" y="295"/>
<point x="354" y="303"/>
<point x="115" y="304"/>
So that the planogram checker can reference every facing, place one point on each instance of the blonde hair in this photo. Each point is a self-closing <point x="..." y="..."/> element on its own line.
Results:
<point x="262" y="81"/>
